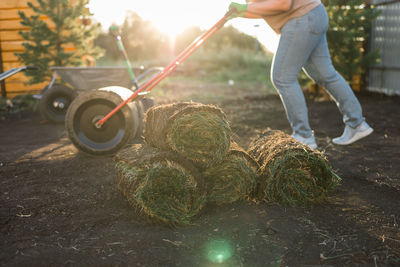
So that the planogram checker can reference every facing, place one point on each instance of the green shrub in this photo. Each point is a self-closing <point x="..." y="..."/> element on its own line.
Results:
<point x="348" y="36"/>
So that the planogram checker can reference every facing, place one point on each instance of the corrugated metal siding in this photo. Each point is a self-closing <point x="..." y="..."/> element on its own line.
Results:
<point x="385" y="35"/>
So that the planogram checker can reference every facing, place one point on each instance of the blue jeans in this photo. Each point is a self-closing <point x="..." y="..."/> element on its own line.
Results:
<point x="303" y="45"/>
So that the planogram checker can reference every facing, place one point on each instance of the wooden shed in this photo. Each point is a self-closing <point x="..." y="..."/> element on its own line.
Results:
<point x="11" y="42"/>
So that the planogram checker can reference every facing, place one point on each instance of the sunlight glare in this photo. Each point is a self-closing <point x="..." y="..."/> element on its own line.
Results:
<point x="174" y="16"/>
<point x="170" y="27"/>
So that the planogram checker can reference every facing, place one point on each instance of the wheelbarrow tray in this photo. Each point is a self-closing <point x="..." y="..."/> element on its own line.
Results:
<point x="55" y="98"/>
<point x="87" y="78"/>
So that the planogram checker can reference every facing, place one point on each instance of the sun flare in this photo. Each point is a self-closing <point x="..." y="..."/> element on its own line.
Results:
<point x="174" y="16"/>
<point x="170" y="27"/>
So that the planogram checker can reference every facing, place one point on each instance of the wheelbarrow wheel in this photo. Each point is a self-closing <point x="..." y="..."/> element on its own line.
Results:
<point x="90" y="107"/>
<point x="55" y="101"/>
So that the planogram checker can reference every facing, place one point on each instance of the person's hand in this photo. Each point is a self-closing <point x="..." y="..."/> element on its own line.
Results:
<point x="239" y="10"/>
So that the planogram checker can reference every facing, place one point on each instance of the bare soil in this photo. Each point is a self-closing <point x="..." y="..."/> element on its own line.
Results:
<point x="59" y="207"/>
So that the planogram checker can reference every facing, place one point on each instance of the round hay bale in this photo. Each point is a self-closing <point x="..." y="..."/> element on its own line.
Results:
<point x="233" y="179"/>
<point x="160" y="184"/>
<point x="291" y="173"/>
<point x="156" y="121"/>
<point x="199" y="132"/>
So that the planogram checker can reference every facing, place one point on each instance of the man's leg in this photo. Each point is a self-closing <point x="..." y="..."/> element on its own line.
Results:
<point x="295" y="46"/>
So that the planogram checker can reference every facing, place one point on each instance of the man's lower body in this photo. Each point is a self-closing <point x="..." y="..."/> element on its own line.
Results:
<point x="303" y="45"/>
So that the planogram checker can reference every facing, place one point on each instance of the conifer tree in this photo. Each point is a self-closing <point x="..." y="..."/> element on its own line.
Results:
<point x="49" y="42"/>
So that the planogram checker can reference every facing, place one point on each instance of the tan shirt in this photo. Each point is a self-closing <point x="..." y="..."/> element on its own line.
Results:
<point x="299" y="8"/>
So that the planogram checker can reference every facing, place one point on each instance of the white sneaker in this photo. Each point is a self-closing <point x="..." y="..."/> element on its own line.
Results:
<point x="350" y="135"/>
<point x="308" y="141"/>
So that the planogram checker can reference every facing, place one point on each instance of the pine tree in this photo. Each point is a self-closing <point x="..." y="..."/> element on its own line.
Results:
<point x="348" y="36"/>
<point x="49" y="43"/>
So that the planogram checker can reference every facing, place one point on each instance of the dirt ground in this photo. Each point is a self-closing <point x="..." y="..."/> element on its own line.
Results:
<point x="59" y="207"/>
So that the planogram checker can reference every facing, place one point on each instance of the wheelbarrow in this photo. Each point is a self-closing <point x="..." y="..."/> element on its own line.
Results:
<point x="100" y="122"/>
<point x="56" y="97"/>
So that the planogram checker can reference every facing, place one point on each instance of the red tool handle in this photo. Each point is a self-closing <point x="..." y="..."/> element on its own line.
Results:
<point x="171" y="67"/>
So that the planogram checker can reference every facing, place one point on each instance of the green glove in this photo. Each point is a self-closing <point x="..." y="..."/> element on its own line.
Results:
<point x="240" y="10"/>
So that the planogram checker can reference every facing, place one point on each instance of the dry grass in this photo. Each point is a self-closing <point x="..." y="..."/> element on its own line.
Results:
<point x="199" y="132"/>
<point x="291" y="173"/>
<point x="233" y="179"/>
<point x="159" y="184"/>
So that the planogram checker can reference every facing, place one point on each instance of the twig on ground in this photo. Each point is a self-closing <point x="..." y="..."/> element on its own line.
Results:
<point x="395" y="224"/>
<point x="24" y="215"/>
<point x="334" y="257"/>
<point x="334" y="247"/>
<point x="114" y="243"/>
<point x="376" y="265"/>
<point x="383" y="237"/>
<point x="175" y="243"/>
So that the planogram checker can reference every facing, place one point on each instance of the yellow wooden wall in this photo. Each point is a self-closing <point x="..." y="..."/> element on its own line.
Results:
<point x="11" y="42"/>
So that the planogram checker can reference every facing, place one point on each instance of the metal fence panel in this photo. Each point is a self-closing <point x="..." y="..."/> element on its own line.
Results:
<point x="385" y="35"/>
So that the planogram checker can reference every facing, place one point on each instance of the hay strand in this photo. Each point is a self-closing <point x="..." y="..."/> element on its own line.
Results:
<point x="233" y="179"/>
<point x="291" y="173"/>
<point x="160" y="184"/>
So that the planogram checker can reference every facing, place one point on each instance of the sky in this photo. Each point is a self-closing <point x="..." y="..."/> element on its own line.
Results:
<point x="173" y="16"/>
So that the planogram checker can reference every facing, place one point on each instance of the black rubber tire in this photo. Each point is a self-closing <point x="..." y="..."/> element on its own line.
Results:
<point x="91" y="106"/>
<point x="49" y="105"/>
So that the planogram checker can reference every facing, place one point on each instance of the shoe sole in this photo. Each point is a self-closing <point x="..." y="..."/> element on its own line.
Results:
<point x="356" y="137"/>
<point x="311" y="145"/>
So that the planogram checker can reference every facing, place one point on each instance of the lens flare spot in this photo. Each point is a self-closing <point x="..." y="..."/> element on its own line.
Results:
<point x="218" y="251"/>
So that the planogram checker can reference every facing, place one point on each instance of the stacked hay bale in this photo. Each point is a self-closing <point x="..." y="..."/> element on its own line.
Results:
<point x="234" y="178"/>
<point x="291" y="173"/>
<point x="199" y="132"/>
<point x="160" y="184"/>
<point x="188" y="159"/>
